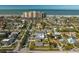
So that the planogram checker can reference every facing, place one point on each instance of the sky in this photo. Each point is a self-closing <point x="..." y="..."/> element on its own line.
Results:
<point x="53" y="7"/>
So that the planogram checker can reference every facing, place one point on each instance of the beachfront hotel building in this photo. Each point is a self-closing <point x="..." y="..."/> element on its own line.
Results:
<point x="33" y="14"/>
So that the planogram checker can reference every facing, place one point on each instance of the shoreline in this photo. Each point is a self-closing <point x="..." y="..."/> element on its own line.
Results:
<point x="63" y="15"/>
<point x="10" y="15"/>
<point x="48" y="15"/>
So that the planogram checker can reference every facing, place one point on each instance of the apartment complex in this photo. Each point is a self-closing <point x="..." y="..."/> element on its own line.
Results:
<point x="33" y="14"/>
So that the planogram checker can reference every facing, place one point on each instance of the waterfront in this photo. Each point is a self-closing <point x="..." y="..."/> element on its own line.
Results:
<point x="47" y="11"/>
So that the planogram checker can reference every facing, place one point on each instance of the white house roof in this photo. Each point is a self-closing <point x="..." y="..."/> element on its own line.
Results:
<point x="71" y="40"/>
<point x="39" y="36"/>
<point x="14" y="33"/>
<point x="61" y="39"/>
<point x="38" y="44"/>
<point x="57" y="33"/>
<point x="5" y="39"/>
<point x="2" y="33"/>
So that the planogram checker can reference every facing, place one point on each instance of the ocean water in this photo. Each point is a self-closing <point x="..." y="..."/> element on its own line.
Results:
<point x="49" y="12"/>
